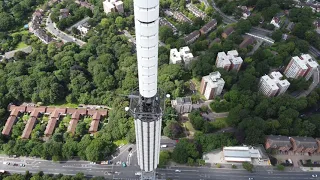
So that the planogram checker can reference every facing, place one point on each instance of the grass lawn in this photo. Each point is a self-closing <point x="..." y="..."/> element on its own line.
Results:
<point x="22" y="32"/>
<point x="21" y="45"/>
<point x="189" y="128"/>
<point x="70" y="105"/>
<point x="121" y="142"/>
<point x="219" y="123"/>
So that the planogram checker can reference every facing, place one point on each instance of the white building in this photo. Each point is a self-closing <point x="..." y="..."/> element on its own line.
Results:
<point x="241" y="154"/>
<point x="83" y="30"/>
<point x="183" y="54"/>
<point x="175" y="56"/>
<point x="303" y="66"/>
<point x="273" y="85"/>
<point x="212" y="85"/>
<point x="112" y="6"/>
<point x="229" y="61"/>
<point x="276" y="22"/>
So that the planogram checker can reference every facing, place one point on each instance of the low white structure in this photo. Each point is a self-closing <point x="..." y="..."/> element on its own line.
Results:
<point x="241" y="154"/>
<point x="183" y="54"/>
<point x="229" y="61"/>
<point x="212" y="85"/>
<point x="273" y="85"/>
<point x="83" y="30"/>
<point x="276" y="22"/>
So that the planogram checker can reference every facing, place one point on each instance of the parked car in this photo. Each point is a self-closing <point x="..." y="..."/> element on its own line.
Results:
<point x="124" y="164"/>
<point x="314" y="175"/>
<point x="177" y="170"/>
<point x="130" y="148"/>
<point x="137" y="173"/>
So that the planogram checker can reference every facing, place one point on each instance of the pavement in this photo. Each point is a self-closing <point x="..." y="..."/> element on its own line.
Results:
<point x="51" y="27"/>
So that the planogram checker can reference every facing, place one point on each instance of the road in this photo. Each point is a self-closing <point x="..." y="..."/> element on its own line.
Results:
<point x="313" y="85"/>
<point x="127" y="173"/>
<point x="51" y="27"/>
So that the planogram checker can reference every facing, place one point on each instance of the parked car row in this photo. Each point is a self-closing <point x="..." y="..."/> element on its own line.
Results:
<point x="14" y="164"/>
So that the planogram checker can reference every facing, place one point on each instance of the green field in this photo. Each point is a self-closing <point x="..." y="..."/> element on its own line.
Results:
<point x="21" y="45"/>
<point x="219" y="123"/>
<point x="121" y="142"/>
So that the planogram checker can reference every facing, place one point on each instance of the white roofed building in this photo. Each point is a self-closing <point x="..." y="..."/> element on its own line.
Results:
<point x="183" y="54"/>
<point x="212" y="85"/>
<point x="112" y="6"/>
<point x="229" y="61"/>
<point x="242" y="154"/>
<point x="303" y="66"/>
<point x="175" y="56"/>
<point x="272" y="85"/>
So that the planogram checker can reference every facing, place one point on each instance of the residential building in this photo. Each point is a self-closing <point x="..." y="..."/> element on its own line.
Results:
<point x="54" y="117"/>
<point x="15" y="112"/>
<point x="43" y="36"/>
<point x="208" y="27"/>
<point x="175" y="56"/>
<point x="227" y="32"/>
<point x="303" y="66"/>
<point x="64" y="13"/>
<point x="276" y="22"/>
<point x="317" y="25"/>
<point x="212" y="85"/>
<point x="183" y="55"/>
<point x="186" y="55"/>
<point x="229" y="61"/>
<point x="119" y="6"/>
<point x="85" y="4"/>
<point x="108" y="7"/>
<point x="190" y="38"/>
<point x="197" y="12"/>
<point x="181" y="17"/>
<point x="304" y="144"/>
<point x="165" y="22"/>
<point x="182" y="105"/>
<point x="280" y="143"/>
<point x="248" y="40"/>
<point x="273" y="85"/>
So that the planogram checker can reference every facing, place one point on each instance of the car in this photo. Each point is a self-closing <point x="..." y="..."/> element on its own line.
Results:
<point x="137" y="173"/>
<point x="8" y="163"/>
<point x="15" y="164"/>
<point x="124" y="164"/>
<point x="109" y="173"/>
<point x="314" y="175"/>
<point x="22" y="165"/>
<point x="4" y="163"/>
<point x="251" y="178"/>
<point x="177" y="170"/>
<point x="92" y="162"/>
<point x="130" y="149"/>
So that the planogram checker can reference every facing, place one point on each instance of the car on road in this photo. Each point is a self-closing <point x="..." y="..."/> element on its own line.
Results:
<point x="130" y="149"/>
<point x="109" y="173"/>
<point x="314" y="175"/>
<point x="15" y="164"/>
<point x="124" y="164"/>
<point x="251" y="178"/>
<point x="4" y="163"/>
<point x="137" y="173"/>
<point x="177" y="170"/>
<point x="22" y="165"/>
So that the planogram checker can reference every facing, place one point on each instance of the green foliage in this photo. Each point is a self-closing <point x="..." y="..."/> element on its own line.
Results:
<point x="165" y="156"/>
<point x="184" y="150"/>
<point x="247" y="166"/>
<point x="220" y="106"/>
<point x="172" y="129"/>
<point x="280" y="167"/>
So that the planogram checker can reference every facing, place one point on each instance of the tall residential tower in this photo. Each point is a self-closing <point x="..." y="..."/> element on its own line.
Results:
<point x="146" y="103"/>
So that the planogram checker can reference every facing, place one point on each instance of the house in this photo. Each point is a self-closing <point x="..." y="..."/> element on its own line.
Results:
<point x="64" y="13"/>
<point x="208" y="27"/>
<point x="182" y="105"/>
<point x="30" y="124"/>
<point x="75" y="117"/>
<point x="304" y="145"/>
<point x="190" y="38"/>
<point x="290" y="26"/>
<point x="96" y="117"/>
<point x="227" y="32"/>
<point x="197" y="12"/>
<point x="276" y="22"/>
<point x="83" y="30"/>
<point x="246" y="12"/>
<point x="54" y="117"/>
<point x="43" y="36"/>
<point x="280" y="143"/>
<point x="15" y="112"/>
<point x="181" y="17"/>
<point x="248" y="40"/>
<point x="165" y="22"/>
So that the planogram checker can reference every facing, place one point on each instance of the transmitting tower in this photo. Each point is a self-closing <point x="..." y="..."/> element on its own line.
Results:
<point x="146" y="104"/>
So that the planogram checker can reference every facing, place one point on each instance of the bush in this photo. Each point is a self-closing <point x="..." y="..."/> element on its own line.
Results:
<point x="234" y="166"/>
<point x="247" y="166"/>
<point x="218" y="165"/>
<point x="280" y="167"/>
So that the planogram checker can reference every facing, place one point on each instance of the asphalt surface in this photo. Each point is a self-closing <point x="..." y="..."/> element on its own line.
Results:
<point x="50" y="26"/>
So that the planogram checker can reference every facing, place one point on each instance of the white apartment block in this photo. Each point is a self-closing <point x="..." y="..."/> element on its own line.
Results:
<point x="212" y="85"/>
<point x="272" y="85"/>
<point x="183" y="54"/>
<point x="229" y="61"/>
<point x="303" y="66"/>
<point x="112" y="6"/>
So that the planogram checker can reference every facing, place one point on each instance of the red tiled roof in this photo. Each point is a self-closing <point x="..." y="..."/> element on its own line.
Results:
<point x="50" y="127"/>
<point x="103" y="112"/>
<point x="228" y="31"/>
<point x="82" y="111"/>
<point x="19" y="108"/>
<point x="94" y="126"/>
<point x="75" y="115"/>
<point x="30" y="108"/>
<point x="54" y="114"/>
<point x="71" y="110"/>
<point x="50" y="109"/>
<point x="34" y="113"/>
<point x="72" y="126"/>
<point x="29" y="126"/>
<point x="41" y="109"/>
<point x="96" y="116"/>
<point x="91" y="112"/>
<point x="61" y="110"/>
<point x="8" y="126"/>
<point x="14" y="112"/>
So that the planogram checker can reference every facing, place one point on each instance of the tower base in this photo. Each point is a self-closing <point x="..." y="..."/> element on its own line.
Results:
<point x="148" y="175"/>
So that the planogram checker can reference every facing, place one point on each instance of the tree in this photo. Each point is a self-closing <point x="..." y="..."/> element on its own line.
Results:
<point x="69" y="149"/>
<point x="280" y="167"/>
<point x="164" y="158"/>
<point x="173" y="129"/>
<point x="247" y="166"/>
<point x="184" y="150"/>
<point x="165" y="33"/>
<point x="6" y="21"/>
<point x="277" y="35"/>
<point x="120" y="22"/>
